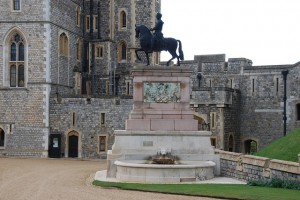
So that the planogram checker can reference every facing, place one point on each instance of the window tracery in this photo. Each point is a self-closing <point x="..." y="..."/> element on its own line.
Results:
<point x="63" y="45"/>
<point x="16" y="61"/>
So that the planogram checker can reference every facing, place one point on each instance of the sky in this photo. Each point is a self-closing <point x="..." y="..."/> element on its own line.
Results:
<point x="264" y="31"/>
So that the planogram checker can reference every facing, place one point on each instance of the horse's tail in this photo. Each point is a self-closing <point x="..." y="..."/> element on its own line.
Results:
<point x="181" y="56"/>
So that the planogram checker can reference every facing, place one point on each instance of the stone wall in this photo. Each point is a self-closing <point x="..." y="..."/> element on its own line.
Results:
<point x="232" y="114"/>
<point x="87" y="122"/>
<point x="36" y="8"/>
<point x="257" y="113"/>
<point x="261" y="109"/>
<point x="248" y="167"/>
<point x="293" y="92"/>
<point x="218" y="93"/>
<point x="23" y="110"/>
<point x="62" y="18"/>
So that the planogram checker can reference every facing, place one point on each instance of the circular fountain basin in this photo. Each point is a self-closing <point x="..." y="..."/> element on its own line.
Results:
<point x="186" y="171"/>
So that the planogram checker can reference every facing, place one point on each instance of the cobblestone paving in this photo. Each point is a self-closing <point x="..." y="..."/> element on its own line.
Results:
<point x="51" y="179"/>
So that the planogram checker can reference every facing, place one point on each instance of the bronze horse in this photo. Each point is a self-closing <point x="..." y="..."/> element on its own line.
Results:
<point x="168" y="44"/>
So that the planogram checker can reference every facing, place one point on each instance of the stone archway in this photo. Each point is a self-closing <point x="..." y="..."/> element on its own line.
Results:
<point x="250" y="146"/>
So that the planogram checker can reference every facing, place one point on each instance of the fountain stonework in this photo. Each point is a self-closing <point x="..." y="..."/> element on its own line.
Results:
<point x="162" y="122"/>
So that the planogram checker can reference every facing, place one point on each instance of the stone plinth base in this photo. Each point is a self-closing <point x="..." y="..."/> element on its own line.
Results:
<point x="150" y="142"/>
<point x="135" y="171"/>
<point x="142" y="145"/>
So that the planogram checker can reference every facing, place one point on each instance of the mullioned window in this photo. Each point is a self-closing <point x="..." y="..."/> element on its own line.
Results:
<point x="16" y="61"/>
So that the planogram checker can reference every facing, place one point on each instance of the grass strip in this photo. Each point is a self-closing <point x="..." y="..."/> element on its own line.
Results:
<point x="227" y="191"/>
<point x="285" y="148"/>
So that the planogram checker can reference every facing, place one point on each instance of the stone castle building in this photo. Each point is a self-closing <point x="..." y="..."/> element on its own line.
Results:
<point x="65" y="82"/>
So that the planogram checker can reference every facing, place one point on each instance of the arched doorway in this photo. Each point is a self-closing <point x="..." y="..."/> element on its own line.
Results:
<point x="73" y="144"/>
<point x="250" y="146"/>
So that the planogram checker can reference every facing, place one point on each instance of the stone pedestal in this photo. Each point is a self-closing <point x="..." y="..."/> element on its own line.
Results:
<point x="161" y="119"/>
<point x="161" y="100"/>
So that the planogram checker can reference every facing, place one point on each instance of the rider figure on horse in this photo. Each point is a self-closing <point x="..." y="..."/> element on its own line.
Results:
<point x="157" y="40"/>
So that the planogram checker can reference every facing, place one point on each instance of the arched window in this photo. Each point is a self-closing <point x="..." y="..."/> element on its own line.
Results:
<point x="16" y="62"/>
<point x="16" y="5"/>
<point x="63" y="45"/>
<point x="2" y="137"/>
<point x="123" y="19"/>
<point x="122" y="50"/>
<point x="298" y="112"/>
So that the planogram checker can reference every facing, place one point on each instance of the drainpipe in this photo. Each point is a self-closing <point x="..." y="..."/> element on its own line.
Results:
<point x="284" y="73"/>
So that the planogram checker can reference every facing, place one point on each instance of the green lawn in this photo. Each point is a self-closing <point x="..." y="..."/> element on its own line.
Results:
<point x="211" y="190"/>
<point x="285" y="148"/>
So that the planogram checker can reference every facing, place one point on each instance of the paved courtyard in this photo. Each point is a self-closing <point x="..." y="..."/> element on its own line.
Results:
<point x="51" y="179"/>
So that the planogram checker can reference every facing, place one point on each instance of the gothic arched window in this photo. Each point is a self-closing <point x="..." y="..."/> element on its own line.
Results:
<point x="16" y="62"/>
<point x="123" y="20"/>
<point x="63" y="45"/>
<point x="122" y="50"/>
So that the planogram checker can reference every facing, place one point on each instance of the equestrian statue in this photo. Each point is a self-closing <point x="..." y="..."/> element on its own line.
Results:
<point x="156" y="42"/>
